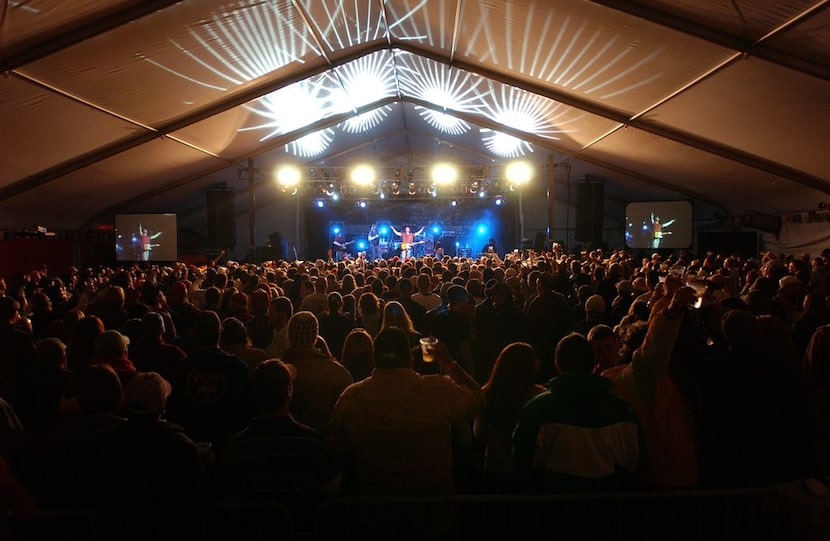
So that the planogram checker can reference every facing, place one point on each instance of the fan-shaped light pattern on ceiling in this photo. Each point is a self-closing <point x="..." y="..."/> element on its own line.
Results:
<point x="525" y="112"/>
<point x="346" y="24"/>
<point x="421" y="77"/>
<point x="406" y="25"/>
<point x="361" y="82"/>
<point x="290" y="109"/>
<point x="244" y="41"/>
<point x="312" y="144"/>
<point x="571" y="51"/>
<point x="430" y="81"/>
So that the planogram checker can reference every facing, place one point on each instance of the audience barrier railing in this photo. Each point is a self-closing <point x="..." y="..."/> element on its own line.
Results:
<point x="693" y="515"/>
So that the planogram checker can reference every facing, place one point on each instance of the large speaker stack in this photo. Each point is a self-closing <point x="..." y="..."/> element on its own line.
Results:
<point x="220" y="219"/>
<point x="590" y="210"/>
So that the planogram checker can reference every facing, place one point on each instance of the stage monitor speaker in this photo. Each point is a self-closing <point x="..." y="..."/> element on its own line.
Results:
<point x="448" y="244"/>
<point x="590" y="211"/>
<point x="220" y="219"/>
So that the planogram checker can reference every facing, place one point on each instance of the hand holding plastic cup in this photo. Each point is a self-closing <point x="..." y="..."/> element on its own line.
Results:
<point x="678" y="271"/>
<point x="700" y="289"/>
<point x="427" y="348"/>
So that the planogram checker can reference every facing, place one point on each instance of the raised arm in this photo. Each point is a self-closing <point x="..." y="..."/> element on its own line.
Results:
<point x="651" y="359"/>
<point x="415" y="234"/>
<point x="395" y="231"/>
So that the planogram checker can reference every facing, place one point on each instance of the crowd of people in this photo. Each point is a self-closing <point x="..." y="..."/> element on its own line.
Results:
<point x="304" y="381"/>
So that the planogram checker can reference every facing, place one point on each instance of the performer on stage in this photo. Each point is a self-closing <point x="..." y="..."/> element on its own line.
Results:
<point x="338" y="246"/>
<point x="490" y="247"/>
<point x="147" y="242"/>
<point x="407" y="240"/>
<point x="374" y="240"/>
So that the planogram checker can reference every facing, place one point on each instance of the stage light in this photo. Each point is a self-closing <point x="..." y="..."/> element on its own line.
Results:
<point x="482" y="194"/>
<point x="361" y="245"/>
<point x="444" y="173"/>
<point x="288" y="176"/>
<point x="362" y="203"/>
<point x="363" y="175"/>
<point x="519" y="173"/>
<point x="481" y="229"/>
<point x="336" y="229"/>
<point x="319" y="203"/>
<point x="454" y="202"/>
<point x="383" y="230"/>
<point x="436" y="230"/>
<point x="499" y="200"/>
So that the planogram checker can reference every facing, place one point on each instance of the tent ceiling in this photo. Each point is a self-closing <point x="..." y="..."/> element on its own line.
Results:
<point x="141" y="106"/>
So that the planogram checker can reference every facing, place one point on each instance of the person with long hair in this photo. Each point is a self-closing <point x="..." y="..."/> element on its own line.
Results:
<point x="347" y="284"/>
<point x="394" y="315"/>
<point x="368" y="312"/>
<point x="356" y="354"/>
<point x="510" y="386"/>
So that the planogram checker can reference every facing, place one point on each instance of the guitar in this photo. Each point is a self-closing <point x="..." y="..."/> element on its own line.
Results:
<point x="342" y="244"/>
<point x="151" y="246"/>
<point x="407" y="246"/>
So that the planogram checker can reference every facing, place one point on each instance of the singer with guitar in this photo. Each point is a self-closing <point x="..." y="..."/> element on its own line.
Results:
<point x="147" y="242"/>
<point x="658" y="230"/>
<point x="407" y="240"/>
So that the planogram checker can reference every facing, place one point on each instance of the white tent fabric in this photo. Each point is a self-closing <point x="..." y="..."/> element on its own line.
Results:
<point x="109" y="106"/>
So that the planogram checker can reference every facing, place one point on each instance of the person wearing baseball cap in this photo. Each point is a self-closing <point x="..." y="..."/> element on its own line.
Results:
<point x="158" y="463"/>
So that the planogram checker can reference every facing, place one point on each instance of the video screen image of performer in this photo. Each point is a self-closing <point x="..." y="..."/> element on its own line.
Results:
<point x="407" y="240"/>
<point x="147" y="244"/>
<point x="658" y="230"/>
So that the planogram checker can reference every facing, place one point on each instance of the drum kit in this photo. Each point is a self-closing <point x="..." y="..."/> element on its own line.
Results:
<point x="394" y="248"/>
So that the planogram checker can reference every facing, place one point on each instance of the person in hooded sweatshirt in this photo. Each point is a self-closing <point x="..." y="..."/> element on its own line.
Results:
<point x="578" y="436"/>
